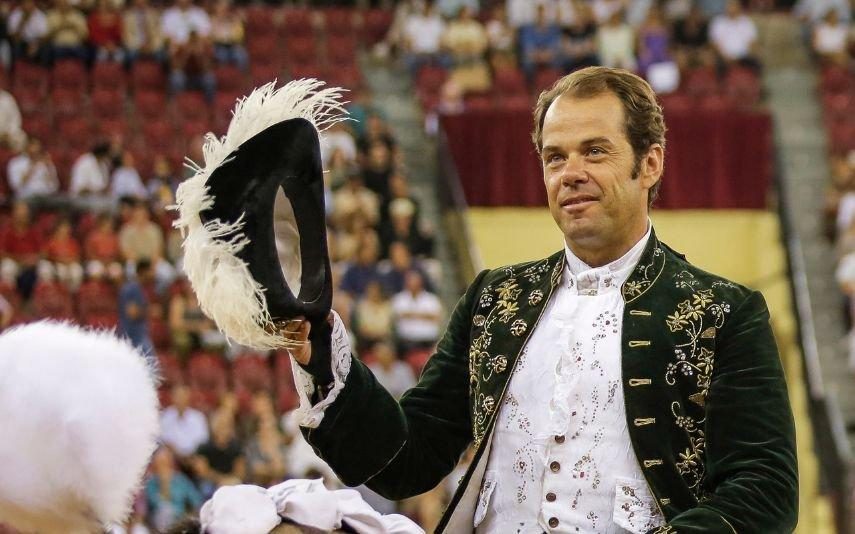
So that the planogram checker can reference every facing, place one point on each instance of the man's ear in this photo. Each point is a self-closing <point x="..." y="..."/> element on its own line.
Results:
<point x="651" y="166"/>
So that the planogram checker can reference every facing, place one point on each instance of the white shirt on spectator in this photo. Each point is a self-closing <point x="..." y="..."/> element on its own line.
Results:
<point x="733" y="37"/>
<point x="831" y="39"/>
<point x="397" y="379"/>
<point x="127" y="183"/>
<point x="523" y="12"/>
<point x="35" y="28"/>
<point x="604" y="9"/>
<point x="10" y="120"/>
<point x="42" y="180"/>
<point x="416" y="329"/>
<point x="177" y="24"/>
<point x="424" y="33"/>
<point x="183" y="432"/>
<point x="616" y="46"/>
<point x="339" y="139"/>
<point x="88" y="174"/>
<point x="845" y="212"/>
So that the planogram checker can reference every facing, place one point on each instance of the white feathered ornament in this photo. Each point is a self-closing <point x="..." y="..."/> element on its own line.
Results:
<point x="253" y="215"/>
<point x="79" y="420"/>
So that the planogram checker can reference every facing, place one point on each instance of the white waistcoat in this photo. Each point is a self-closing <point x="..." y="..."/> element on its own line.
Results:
<point x="561" y="459"/>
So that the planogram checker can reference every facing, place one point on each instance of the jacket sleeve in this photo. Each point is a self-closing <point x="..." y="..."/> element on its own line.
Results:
<point x="403" y="449"/>
<point x="750" y="436"/>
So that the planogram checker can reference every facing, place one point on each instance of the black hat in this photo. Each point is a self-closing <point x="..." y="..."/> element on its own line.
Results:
<point x="253" y="217"/>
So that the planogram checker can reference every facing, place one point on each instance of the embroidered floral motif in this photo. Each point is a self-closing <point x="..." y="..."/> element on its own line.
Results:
<point x="535" y="297"/>
<point x="519" y="327"/>
<point x="479" y="320"/>
<point x="685" y="280"/>
<point x="499" y="363"/>
<point x="698" y="319"/>
<point x="665" y="529"/>
<point x="646" y="273"/>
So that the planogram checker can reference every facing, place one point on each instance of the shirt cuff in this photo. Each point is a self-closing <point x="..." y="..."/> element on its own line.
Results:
<point x="310" y="415"/>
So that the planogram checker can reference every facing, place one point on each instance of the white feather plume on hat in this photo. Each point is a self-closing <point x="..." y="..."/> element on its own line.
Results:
<point x="78" y="412"/>
<point x="226" y="290"/>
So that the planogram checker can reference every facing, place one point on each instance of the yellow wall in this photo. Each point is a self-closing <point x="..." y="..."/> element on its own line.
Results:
<point x="743" y="246"/>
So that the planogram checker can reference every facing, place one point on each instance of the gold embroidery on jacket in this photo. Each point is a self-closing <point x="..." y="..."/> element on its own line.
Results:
<point x="644" y="276"/>
<point x="698" y="319"/>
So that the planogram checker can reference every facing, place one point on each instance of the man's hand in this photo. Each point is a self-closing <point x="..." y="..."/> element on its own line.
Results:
<point x="298" y="330"/>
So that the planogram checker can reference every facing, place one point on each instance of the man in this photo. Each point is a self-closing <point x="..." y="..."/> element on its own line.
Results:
<point x="182" y="427"/>
<point x="67" y="31"/>
<point x="32" y="173"/>
<point x="90" y="174"/>
<point x="28" y="28"/>
<point x="133" y="308"/>
<point x="610" y="386"/>
<point x="417" y="314"/>
<point x="734" y="36"/>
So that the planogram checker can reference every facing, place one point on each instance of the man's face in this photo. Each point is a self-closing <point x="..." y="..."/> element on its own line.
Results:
<point x="587" y="167"/>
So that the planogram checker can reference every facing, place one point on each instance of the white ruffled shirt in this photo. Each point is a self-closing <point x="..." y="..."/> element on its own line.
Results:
<point x="570" y="462"/>
<point x="562" y="460"/>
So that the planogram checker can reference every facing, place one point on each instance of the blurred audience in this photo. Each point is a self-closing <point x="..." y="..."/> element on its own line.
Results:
<point x="418" y="315"/>
<point x="183" y="428"/>
<point x="170" y="495"/>
<point x="227" y="34"/>
<point x="540" y="43"/>
<point x="393" y="374"/>
<point x="27" y="30"/>
<point x="734" y="36"/>
<point x="133" y="308"/>
<point x="68" y="31"/>
<point x="32" y="173"/>
<point x="105" y="32"/>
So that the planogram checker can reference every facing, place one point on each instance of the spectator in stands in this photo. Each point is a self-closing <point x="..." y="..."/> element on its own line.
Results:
<point x="133" y="308"/>
<point x="7" y="312"/>
<point x="616" y="42"/>
<point x="372" y="318"/>
<point x="67" y="31"/>
<point x="21" y="249"/>
<point x="812" y="12"/>
<point x="183" y="428"/>
<point x="417" y="313"/>
<point x="734" y="36"/>
<point x="451" y="8"/>
<point x="399" y="187"/>
<point x="141" y="34"/>
<point x="540" y="44"/>
<point x="64" y="251"/>
<point x="422" y="39"/>
<point x="12" y="137"/>
<point x="404" y="227"/>
<point x="831" y="39"/>
<point x="522" y="13"/>
<point x="359" y="274"/>
<point x="90" y="174"/>
<point x="355" y="200"/>
<point x="579" y="44"/>
<point x="393" y="374"/>
<point x="377" y="169"/>
<point x="105" y="32"/>
<point x="376" y="129"/>
<point x="191" y="67"/>
<point x="169" y="493"/>
<point x="691" y="39"/>
<point x="32" y="173"/>
<point x="502" y="39"/>
<point x="337" y="168"/>
<point x="27" y="29"/>
<point x="604" y="10"/>
<point x="181" y="20"/>
<point x="466" y="41"/>
<point x="393" y="272"/>
<point x="338" y="137"/>
<point x="653" y="40"/>
<point x="266" y="451"/>
<point x="142" y="238"/>
<point x="220" y="461"/>
<point x="126" y="181"/>
<point x="188" y="325"/>
<point x="102" y="243"/>
<point x="227" y="33"/>
<point x="163" y="183"/>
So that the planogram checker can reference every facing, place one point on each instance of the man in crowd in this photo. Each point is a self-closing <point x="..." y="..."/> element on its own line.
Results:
<point x="32" y="173"/>
<point x="611" y="386"/>
<point x="183" y="427"/>
<point x="133" y="308"/>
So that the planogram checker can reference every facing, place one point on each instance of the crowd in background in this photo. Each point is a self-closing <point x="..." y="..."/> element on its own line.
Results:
<point x="96" y="245"/>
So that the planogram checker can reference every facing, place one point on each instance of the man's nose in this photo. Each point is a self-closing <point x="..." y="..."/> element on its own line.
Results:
<point x="574" y="170"/>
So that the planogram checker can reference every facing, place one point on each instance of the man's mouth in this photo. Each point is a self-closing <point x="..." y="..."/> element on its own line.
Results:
<point x="577" y="201"/>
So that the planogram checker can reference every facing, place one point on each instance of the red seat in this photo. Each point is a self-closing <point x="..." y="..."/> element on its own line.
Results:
<point x="347" y="77"/>
<point x="478" y="102"/>
<point x="264" y="73"/>
<point x="417" y="359"/>
<point x="375" y="25"/>
<point x="702" y="81"/>
<point x="545" y="78"/>
<point x="296" y="22"/>
<point x="306" y="71"/>
<point x="108" y="103"/>
<point x="264" y="49"/>
<point x="191" y="106"/>
<point x="338" y="21"/>
<point x="509" y="82"/>
<point x="835" y="79"/>
<point x="715" y="103"/>
<point x="207" y="376"/>
<point x="8" y="292"/>
<point x="250" y="374"/>
<point x="429" y="79"/>
<point x="341" y="51"/>
<point x="97" y="297"/>
<point x="300" y="51"/>
<point x="39" y="126"/>
<point x="224" y="104"/>
<point x="677" y="102"/>
<point x="259" y="20"/>
<point x="743" y="86"/>
<point x="192" y="128"/>
<point x="842" y="137"/>
<point x="170" y="368"/>
<point x="230" y="79"/>
<point x="107" y="75"/>
<point x="52" y="300"/>
<point x="149" y="104"/>
<point x="29" y="101"/>
<point x="148" y="75"/>
<point x="159" y="135"/>
<point x="75" y="133"/>
<point x="71" y="75"/>
<point x="30" y="78"/>
<point x="67" y="103"/>
<point x="106" y="128"/>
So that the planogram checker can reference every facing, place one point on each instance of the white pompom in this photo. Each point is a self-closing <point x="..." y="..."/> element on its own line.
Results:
<point x="79" y="420"/>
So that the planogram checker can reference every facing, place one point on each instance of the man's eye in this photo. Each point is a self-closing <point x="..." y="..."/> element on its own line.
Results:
<point x="596" y="151"/>
<point x="554" y="158"/>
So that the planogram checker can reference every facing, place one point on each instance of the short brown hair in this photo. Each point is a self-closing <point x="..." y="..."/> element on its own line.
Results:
<point x="645" y="125"/>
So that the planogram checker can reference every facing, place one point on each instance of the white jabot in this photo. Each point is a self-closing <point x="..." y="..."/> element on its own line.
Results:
<point x="562" y="460"/>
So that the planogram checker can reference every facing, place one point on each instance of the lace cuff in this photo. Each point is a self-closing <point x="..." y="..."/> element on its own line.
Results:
<point x="309" y="415"/>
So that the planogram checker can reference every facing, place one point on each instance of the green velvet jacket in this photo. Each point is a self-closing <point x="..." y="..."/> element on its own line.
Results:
<point x="706" y="401"/>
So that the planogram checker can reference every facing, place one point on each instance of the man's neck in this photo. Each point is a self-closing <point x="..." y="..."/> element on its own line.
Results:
<point x="597" y="256"/>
